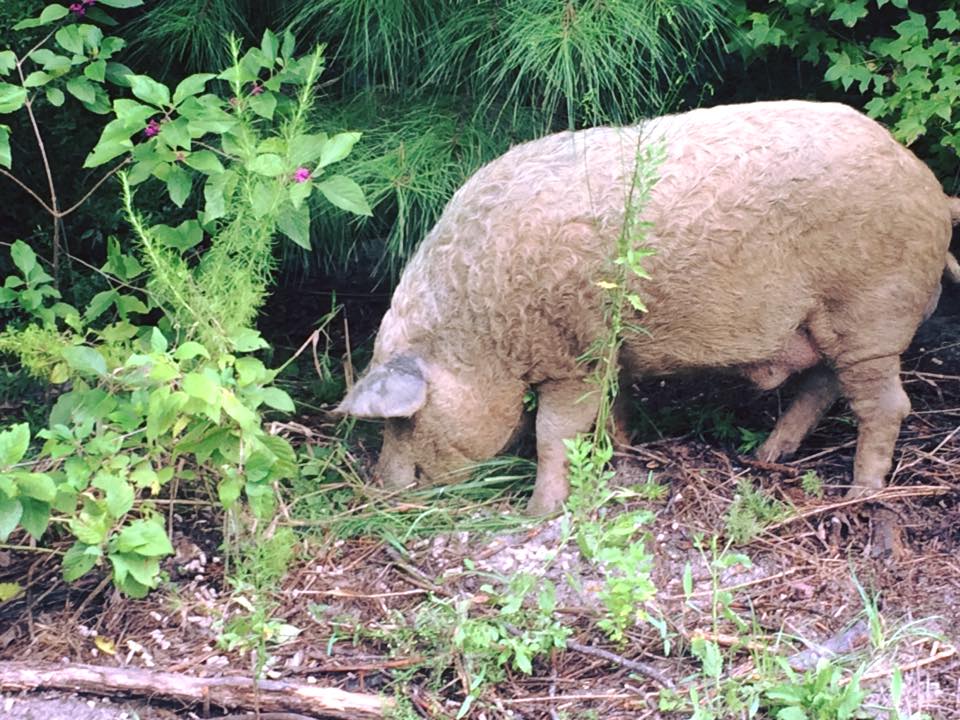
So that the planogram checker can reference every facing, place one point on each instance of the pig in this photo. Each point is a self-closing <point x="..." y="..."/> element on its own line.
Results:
<point x="789" y="237"/>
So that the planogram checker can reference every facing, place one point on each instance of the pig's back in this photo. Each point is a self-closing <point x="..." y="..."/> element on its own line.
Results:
<point x="764" y="215"/>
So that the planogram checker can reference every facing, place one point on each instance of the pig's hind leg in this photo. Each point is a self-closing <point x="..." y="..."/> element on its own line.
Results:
<point x="878" y="400"/>
<point x="564" y="409"/>
<point x="818" y="390"/>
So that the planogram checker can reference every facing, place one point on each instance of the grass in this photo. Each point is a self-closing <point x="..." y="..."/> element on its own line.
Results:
<point x="330" y="496"/>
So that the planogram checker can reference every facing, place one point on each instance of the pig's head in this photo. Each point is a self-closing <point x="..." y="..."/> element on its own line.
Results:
<point x="437" y="421"/>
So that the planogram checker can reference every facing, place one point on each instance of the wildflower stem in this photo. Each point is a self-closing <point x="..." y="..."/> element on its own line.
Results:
<point x="53" y="207"/>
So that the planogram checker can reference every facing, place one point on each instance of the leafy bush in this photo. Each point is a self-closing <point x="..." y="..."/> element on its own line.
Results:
<point x="903" y="63"/>
<point x="182" y="398"/>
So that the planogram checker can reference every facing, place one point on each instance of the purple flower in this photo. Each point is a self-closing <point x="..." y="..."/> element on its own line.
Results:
<point x="152" y="128"/>
<point x="78" y="8"/>
<point x="301" y="175"/>
<point x="88" y="2"/>
<point x="257" y="89"/>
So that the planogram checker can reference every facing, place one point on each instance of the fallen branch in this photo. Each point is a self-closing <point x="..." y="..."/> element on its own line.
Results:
<point x="635" y="665"/>
<point x="226" y="692"/>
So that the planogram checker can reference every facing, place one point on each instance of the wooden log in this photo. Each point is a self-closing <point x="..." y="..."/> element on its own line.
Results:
<point x="232" y="692"/>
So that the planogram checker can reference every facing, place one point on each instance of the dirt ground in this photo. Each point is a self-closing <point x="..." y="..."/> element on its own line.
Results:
<point x="805" y="580"/>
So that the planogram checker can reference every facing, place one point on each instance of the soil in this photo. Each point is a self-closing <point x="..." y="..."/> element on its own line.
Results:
<point x="805" y="584"/>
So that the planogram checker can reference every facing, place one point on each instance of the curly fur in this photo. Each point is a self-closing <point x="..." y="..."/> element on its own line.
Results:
<point x="787" y="235"/>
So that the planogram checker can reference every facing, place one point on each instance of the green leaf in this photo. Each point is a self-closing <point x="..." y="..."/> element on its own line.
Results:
<point x="278" y="399"/>
<point x="186" y="235"/>
<point x="248" y="340"/>
<point x="8" y="61"/>
<point x="6" y="158"/>
<point x="242" y="415"/>
<point x="299" y="192"/>
<point x="267" y="164"/>
<point x="264" y="104"/>
<point x="304" y="149"/>
<point x="205" y="161"/>
<point x="250" y="370"/>
<point x="119" y="494"/>
<point x="82" y="89"/>
<point x="190" y="350"/>
<point x="90" y="528"/>
<point x="132" y="114"/>
<point x="96" y="71"/>
<point x="158" y="341"/>
<point x="85" y="360"/>
<point x="345" y="194"/>
<point x="13" y="444"/>
<point x="118" y="74"/>
<point x="229" y="489"/>
<point x="104" y="152"/>
<point x="39" y="486"/>
<point x="8" y="591"/>
<point x="36" y="517"/>
<point x="791" y="713"/>
<point x="289" y="45"/>
<point x="179" y="183"/>
<point x="295" y="224"/>
<point x="123" y="568"/>
<point x="23" y="257"/>
<point x="36" y="79"/>
<point x="214" y="194"/>
<point x="265" y="197"/>
<point x="69" y="38"/>
<point x="338" y="147"/>
<point x="121" y="4"/>
<point x="191" y="85"/>
<point x="163" y="409"/>
<point x="269" y="45"/>
<point x="145" y="537"/>
<point x="99" y="304"/>
<point x="285" y="463"/>
<point x="93" y="36"/>
<point x="176" y="133"/>
<point x="201" y="387"/>
<point x="55" y="96"/>
<point x="947" y="20"/>
<point x="50" y="14"/>
<point x="10" y="513"/>
<point x="12" y="97"/>
<point x="79" y="560"/>
<point x="149" y="90"/>
<point x="709" y="654"/>
<point x="849" y="12"/>
<point x="53" y="63"/>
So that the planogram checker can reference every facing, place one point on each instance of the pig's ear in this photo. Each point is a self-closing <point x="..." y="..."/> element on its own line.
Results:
<point x="395" y="388"/>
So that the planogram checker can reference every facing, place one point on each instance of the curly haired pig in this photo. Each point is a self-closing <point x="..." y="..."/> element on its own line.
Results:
<point x="790" y="237"/>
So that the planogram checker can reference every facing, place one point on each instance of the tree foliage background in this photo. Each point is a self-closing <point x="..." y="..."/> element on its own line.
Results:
<point x="439" y="87"/>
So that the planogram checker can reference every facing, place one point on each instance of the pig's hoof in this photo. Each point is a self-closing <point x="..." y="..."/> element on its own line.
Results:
<point x="859" y="491"/>
<point x="544" y="506"/>
<point x="773" y="450"/>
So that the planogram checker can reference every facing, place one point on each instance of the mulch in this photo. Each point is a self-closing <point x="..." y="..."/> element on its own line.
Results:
<point x="803" y="590"/>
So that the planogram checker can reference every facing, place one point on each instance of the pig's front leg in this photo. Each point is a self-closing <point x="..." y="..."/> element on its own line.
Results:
<point x="564" y="409"/>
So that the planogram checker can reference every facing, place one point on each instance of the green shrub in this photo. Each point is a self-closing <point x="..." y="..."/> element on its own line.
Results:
<point x="902" y="64"/>
<point x="182" y="398"/>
